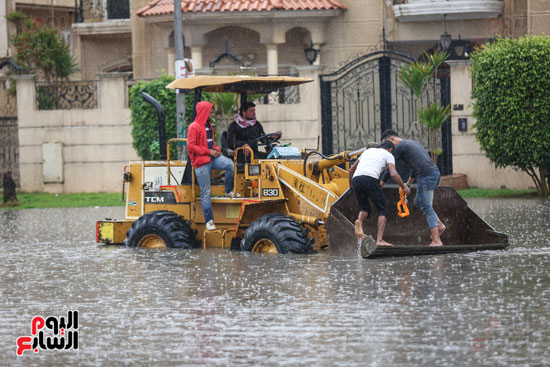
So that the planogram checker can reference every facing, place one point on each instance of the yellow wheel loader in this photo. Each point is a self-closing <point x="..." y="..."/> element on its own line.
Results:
<point x="288" y="203"/>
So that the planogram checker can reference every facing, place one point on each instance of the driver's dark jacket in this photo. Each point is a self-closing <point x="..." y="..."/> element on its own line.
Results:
<point x="238" y="136"/>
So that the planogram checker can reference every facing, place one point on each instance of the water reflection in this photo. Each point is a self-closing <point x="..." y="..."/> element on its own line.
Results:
<point x="222" y="308"/>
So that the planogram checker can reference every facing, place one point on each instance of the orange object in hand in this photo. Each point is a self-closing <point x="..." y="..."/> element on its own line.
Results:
<point x="402" y="208"/>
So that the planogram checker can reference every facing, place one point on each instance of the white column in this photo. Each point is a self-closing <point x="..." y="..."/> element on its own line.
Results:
<point x="317" y="46"/>
<point x="3" y="30"/>
<point x="112" y="94"/>
<point x="171" y="59"/>
<point x="196" y="55"/>
<point x="272" y="59"/>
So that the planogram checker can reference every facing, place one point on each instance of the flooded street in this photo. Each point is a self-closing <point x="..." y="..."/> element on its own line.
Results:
<point x="224" y="308"/>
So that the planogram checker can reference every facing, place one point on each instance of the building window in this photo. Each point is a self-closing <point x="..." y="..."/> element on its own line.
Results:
<point x="118" y="9"/>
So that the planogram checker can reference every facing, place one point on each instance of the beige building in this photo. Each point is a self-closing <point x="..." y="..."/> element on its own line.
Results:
<point x="360" y="44"/>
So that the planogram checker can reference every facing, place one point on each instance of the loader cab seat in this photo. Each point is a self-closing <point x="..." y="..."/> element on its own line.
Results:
<point x="187" y="174"/>
<point x="229" y="153"/>
<point x="225" y="146"/>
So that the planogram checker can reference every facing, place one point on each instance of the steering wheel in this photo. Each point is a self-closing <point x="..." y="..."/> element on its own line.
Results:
<point x="268" y="139"/>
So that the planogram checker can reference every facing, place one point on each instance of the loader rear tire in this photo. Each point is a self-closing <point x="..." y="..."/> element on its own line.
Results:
<point x="277" y="233"/>
<point x="161" y="229"/>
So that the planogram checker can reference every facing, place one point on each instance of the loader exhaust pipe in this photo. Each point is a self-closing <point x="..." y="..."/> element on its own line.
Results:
<point x="161" y="122"/>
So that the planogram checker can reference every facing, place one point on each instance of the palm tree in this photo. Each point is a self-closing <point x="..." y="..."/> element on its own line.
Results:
<point x="416" y="77"/>
<point x="226" y="105"/>
<point x="434" y="116"/>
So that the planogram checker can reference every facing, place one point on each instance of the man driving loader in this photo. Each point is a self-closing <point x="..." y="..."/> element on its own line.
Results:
<point x="244" y="131"/>
<point x="364" y="178"/>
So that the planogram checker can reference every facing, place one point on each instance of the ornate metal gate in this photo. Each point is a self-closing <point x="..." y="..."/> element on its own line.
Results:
<point x="9" y="156"/>
<point x="9" y="142"/>
<point x="366" y="97"/>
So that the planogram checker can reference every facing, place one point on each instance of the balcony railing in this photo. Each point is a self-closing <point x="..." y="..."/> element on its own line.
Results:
<point x="83" y="95"/>
<point x="431" y="10"/>
<point x="66" y="95"/>
<point x="107" y="10"/>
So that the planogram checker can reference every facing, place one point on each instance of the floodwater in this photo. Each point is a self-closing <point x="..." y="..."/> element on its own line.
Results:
<point x="223" y="308"/>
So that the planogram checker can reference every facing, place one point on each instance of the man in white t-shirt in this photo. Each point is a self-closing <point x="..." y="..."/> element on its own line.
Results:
<point x="364" y="178"/>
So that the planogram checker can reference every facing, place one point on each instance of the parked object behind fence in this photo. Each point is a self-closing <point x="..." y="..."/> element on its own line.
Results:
<point x="9" y="188"/>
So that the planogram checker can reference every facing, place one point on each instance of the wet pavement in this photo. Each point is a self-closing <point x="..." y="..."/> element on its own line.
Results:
<point x="223" y="308"/>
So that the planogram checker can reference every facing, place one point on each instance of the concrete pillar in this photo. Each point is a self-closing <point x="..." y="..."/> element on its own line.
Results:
<point x="30" y="171"/>
<point x="171" y="59"/>
<point x="196" y="55"/>
<point x="26" y="97"/>
<point x="461" y="91"/>
<point x="4" y="49"/>
<point x="272" y="59"/>
<point x="141" y="42"/>
<point x="310" y="95"/>
<point x="468" y="158"/>
<point x="317" y="61"/>
<point x="112" y="91"/>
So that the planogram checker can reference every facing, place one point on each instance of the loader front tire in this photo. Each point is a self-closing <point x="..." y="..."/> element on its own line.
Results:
<point x="161" y="229"/>
<point x="277" y="233"/>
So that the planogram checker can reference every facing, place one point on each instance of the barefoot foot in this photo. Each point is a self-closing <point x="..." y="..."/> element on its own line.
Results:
<point x="384" y="243"/>
<point x="441" y="228"/>
<point x="359" y="230"/>
<point x="436" y="244"/>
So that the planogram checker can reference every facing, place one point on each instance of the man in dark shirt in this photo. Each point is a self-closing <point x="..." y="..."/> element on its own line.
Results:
<point x="427" y="175"/>
<point x="244" y="131"/>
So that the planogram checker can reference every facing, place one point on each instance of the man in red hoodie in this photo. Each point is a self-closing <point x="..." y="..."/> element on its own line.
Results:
<point x="206" y="156"/>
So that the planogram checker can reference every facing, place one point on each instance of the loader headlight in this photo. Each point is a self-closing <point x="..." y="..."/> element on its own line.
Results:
<point x="253" y="170"/>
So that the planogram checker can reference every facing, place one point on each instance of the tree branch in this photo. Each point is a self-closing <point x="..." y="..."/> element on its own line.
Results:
<point x="531" y="172"/>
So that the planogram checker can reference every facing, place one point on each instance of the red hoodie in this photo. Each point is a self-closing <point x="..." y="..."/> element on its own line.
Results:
<point x="197" y="145"/>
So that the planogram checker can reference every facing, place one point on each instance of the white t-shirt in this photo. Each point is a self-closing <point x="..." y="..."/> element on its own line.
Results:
<point x="373" y="162"/>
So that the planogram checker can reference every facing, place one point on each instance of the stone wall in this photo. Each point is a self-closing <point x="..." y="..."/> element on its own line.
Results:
<point x="102" y="47"/>
<point x="468" y="158"/>
<point x="299" y="122"/>
<point x="68" y="151"/>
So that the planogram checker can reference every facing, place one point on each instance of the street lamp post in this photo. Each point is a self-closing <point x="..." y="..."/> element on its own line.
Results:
<point x="180" y="95"/>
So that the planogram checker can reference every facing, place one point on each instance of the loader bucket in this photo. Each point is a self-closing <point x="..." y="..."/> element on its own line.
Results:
<point x="466" y="231"/>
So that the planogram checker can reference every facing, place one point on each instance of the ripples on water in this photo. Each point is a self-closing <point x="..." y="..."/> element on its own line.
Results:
<point x="223" y="308"/>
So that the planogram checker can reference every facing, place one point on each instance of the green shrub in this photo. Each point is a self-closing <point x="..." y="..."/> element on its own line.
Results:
<point x="416" y="77"/>
<point x="46" y="98"/>
<point x="144" y="117"/>
<point x="512" y="104"/>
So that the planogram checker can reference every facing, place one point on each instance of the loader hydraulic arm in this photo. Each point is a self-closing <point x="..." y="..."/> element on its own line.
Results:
<point x="337" y="159"/>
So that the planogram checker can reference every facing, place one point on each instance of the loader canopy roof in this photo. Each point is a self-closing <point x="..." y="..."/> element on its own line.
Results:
<point x="237" y="83"/>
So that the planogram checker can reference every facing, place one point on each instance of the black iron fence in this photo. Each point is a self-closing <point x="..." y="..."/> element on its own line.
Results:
<point x="366" y="97"/>
<point x="84" y="95"/>
<point x="9" y="147"/>
<point x="289" y="95"/>
<point x="109" y="9"/>
<point x="67" y="95"/>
